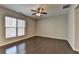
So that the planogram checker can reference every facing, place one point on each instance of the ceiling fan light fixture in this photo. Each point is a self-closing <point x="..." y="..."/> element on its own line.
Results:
<point x="39" y="11"/>
<point x="38" y="14"/>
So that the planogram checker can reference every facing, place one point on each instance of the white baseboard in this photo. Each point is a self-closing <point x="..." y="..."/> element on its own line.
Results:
<point x="30" y="36"/>
<point x="5" y="42"/>
<point x="73" y="47"/>
<point x="51" y="37"/>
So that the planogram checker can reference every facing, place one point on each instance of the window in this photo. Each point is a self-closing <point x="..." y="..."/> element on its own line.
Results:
<point x="21" y="27"/>
<point x="14" y="27"/>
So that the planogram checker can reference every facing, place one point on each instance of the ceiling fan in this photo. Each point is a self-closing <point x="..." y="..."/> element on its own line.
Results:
<point x="39" y="11"/>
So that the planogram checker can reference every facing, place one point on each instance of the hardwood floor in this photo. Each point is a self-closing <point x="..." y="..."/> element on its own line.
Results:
<point x="40" y="45"/>
<point x="44" y="45"/>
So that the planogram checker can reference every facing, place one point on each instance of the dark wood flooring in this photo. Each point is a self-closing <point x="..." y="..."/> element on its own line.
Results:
<point x="40" y="45"/>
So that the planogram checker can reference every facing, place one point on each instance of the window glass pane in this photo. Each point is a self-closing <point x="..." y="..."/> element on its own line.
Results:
<point x="21" y="31"/>
<point x="21" y="48"/>
<point x="10" y="22"/>
<point x="11" y="50"/>
<point x="10" y="32"/>
<point x="21" y="23"/>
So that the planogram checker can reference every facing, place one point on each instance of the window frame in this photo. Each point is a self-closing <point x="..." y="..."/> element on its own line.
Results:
<point x="14" y="27"/>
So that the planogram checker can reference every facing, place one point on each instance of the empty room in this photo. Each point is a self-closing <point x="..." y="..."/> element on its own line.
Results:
<point x="39" y="29"/>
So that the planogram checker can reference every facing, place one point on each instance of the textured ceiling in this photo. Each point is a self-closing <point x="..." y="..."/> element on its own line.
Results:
<point x="51" y="9"/>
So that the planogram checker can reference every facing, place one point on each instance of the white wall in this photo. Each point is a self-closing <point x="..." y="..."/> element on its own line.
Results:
<point x="54" y="27"/>
<point x="77" y="29"/>
<point x="71" y="27"/>
<point x="30" y="26"/>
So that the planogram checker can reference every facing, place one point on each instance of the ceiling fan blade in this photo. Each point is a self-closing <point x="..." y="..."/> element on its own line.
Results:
<point x="66" y="6"/>
<point x="33" y="13"/>
<point x="33" y="10"/>
<point x="43" y="12"/>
